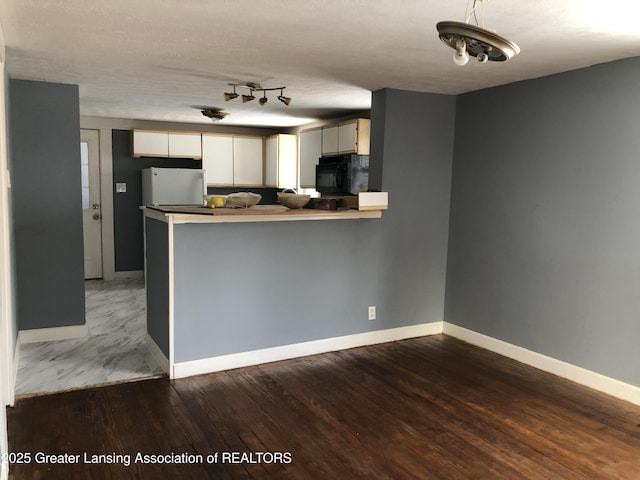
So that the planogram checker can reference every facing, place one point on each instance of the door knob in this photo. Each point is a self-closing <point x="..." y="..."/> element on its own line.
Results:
<point x="95" y="206"/>
<point x="96" y="216"/>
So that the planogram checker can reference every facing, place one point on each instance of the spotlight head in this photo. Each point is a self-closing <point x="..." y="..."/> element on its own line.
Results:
<point x="263" y="101"/>
<point x="248" y="98"/>
<point x="230" y="96"/>
<point x="285" y="100"/>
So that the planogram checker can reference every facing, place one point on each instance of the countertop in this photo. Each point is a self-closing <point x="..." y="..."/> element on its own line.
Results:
<point x="257" y="213"/>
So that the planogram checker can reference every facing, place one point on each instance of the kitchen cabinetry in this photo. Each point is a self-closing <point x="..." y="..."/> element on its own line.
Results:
<point x="233" y="160"/>
<point x="217" y="159"/>
<point x="185" y="145"/>
<point x="352" y="136"/>
<point x="150" y="143"/>
<point x="330" y="140"/>
<point x="165" y="144"/>
<point x="248" y="161"/>
<point x="310" y="152"/>
<point x="281" y="161"/>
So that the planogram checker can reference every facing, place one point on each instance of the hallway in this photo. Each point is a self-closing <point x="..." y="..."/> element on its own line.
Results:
<point x="115" y="349"/>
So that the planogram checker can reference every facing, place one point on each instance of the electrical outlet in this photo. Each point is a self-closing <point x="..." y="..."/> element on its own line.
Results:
<point x="372" y="313"/>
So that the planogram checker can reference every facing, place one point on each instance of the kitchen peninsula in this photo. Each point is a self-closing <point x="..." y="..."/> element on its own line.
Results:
<point x="234" y="287"/>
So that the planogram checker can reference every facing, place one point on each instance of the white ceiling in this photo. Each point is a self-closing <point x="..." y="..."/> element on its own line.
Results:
<point x="158" y="59"/>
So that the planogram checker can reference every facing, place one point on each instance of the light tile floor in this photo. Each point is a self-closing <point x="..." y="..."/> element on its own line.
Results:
<point x="115" y="349"/>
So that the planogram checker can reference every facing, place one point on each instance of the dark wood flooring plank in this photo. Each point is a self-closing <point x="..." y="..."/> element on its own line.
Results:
<point x="432" y="408"/>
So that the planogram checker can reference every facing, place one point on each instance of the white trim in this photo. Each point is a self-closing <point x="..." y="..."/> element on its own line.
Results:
<point x="54" y="333"/>
<point x="157" y="354"/>
<point x="130" y="274"/>
<point x="16" y="360"/>
<point x="590" y="379"/>
<point x="171" y="299"/>
<point x="286" y="352"/>
<point x="4" y="473"/>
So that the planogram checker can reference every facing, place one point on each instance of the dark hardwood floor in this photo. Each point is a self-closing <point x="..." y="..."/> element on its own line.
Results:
<point x="426" y="408"/>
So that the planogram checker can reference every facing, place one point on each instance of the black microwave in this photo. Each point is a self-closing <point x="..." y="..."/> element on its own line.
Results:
<point x="342" y="174"/>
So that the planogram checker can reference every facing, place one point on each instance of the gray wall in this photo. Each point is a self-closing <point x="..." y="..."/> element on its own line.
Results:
<point x="545" y="235"/>
<point x="412" y="143"/>
<point x="248" y="286"/>
<point x="47" y="209"/>
<point x="157" y="283"/>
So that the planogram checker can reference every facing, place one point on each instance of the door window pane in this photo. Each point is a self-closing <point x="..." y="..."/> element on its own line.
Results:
<point x="84" y="166"/>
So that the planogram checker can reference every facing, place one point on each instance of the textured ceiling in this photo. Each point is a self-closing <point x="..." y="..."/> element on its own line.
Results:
<point x="158" y="59"/>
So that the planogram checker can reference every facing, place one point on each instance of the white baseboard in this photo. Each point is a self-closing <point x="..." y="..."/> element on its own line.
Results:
<point x="16" y="361"/>
<point x="53" y="333"/>
<point x="590" y="379"/>
<point x="133" y="275"/>
<point x="286" y="352"/>
<point x="158" y="354"/>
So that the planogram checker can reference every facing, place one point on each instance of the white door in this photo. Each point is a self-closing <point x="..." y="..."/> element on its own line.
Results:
<point x="91" y="211"/>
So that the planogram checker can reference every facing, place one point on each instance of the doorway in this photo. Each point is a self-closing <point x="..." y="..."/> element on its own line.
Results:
<point x="91" y="205"/>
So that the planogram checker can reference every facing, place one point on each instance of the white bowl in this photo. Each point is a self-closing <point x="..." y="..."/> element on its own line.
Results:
<point x="243" y="199"/>
<point x="293" y="200"/>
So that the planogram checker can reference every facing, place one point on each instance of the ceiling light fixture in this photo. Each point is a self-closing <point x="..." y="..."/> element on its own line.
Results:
<point x="283" y="99"/>
<point x="230" y="96"/>
<point x="214" y="113"/>
<point x="248" y="98"/>
<point x="256" y="87"/>
<point x="467" y="39"/>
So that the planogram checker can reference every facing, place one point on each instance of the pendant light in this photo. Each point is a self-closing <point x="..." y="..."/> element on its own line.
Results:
<point x="475" y="40"/>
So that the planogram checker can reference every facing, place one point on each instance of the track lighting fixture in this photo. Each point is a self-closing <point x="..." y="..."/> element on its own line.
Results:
<point x="283" y="99"/>
<point x="230" y="96"/>
<point x="248" y="98"/>
<point x="256" y="87"/>
<point x="475" y="40"/>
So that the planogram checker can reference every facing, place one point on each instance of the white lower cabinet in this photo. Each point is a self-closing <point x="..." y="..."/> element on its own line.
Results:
<point x="281" y="161"/>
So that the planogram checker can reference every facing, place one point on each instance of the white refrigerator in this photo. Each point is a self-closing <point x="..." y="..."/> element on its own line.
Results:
<point x="173" y="186"/>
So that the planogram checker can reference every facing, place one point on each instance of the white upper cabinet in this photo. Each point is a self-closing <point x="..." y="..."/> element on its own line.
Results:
<point x="310" y="152"/>
<point x="185" y="145"/>
<point x="217" y="159"/>
<point x="354" y="136"/>
<point x="233" y="160"/>
<point x="148" y="143"/>
<point x="281" y="161"/>
<point x="330" y="140"/>
<point x="164" y="144"/>
<point x="248" y="161"/>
